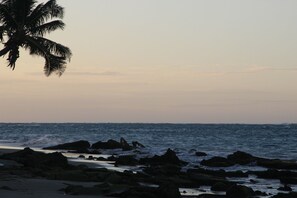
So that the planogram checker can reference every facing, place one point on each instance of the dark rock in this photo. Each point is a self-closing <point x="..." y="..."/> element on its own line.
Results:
<point x="79" y="145"/>
<point x="277" y="164"/>
<point x="112" y="158"/>
<point x="126" y="160"/>
<point x="220" y="186"/>
<point x="125" y="145"/>
<point x="91" y="157"/>
<point x="81" y="190"/>
<point x="211" y="196"/>
<point x="241" y="158"/>
<point x="218" y="173"/>
<point x="286" y="177"/>
<point x="168" y="158"/>
<point x="167" y="170"/>
<point x="136" y="144"/>
<point x="163" y="191"/>
<point x="112" y="144"/>
<point x="6" y="188"/>
<point x="285" y="188"/>
<point x="217" y="162"/>
<point x="200" y="154"/>
<point x="168" y="190"/>
<point x="238" y="191"/>
<point x="137" y="192"/>
<point x="114" y="178"/>
<point x="283" y="195"/>
<point x="30" y="158"/>
<point x="259" y="193"/>
<point x="103" y="159"/>
<point x="207" y="180"/>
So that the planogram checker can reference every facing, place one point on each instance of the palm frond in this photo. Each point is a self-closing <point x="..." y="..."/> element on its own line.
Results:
<point x="43" y="12"/>
<point x="2" y="32"/>
<point x="13" y="55"/>
<point x="54" y="64"/>
<point x="6" y="19"/>
<point x="47" y="27"/>
<point x="44" y="47"/>
<point x="55" y="48"/>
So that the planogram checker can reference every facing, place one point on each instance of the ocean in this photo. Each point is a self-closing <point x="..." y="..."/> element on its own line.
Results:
<point x="272" y="141"/>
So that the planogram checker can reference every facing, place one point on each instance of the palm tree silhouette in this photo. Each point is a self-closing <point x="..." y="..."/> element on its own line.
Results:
<point x="24" y="24"/>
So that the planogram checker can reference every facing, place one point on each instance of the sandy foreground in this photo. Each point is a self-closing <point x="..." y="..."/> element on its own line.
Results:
<point x="12" y="186"/>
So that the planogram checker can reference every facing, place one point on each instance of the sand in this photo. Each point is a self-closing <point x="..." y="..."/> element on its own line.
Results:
<point x="12" y="186"/>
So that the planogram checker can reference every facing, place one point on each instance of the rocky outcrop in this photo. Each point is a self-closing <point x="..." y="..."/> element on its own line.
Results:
<point x="168" y="158"/>
<point x="217" y="162"/>
<point x="112" y="144"/>
<point x="241" y="158"/>
<point x="238" y="191"/>
<point x="30" y="158"/>
<point x="126" y="160"/>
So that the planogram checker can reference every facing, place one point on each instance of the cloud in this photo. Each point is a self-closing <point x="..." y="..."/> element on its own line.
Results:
<point x="107" y="73"/>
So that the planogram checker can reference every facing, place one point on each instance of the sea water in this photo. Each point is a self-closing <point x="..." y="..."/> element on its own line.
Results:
<point x="272" y="141"/>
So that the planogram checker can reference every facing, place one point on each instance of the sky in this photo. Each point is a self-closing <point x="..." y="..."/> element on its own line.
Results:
<point x="169" y="61"/>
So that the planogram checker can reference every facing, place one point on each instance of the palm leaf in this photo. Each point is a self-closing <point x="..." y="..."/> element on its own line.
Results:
<point x="48" y="27"/>
<point x="44" y="47"/>
<point x="43" y="12"/>
<point x="55" y="48"/>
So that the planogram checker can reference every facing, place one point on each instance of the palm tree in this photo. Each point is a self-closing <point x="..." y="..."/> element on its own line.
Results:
<point x="24" y="24"/>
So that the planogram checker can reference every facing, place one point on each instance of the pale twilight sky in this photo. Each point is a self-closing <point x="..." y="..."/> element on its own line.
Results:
<point x="199" y="61"/>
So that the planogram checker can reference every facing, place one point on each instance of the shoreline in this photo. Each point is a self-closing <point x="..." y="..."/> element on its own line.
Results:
<point x="90" y="161"/>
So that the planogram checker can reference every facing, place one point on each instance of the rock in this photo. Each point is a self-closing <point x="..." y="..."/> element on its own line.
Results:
<point x="6" y="188"/>
<point x="238" y="191"/>
<point x="136" y="144"/>
<point x="211" y="196"/>
<point x="30" y="158"/>
<point x="81" y="190"/>
<point x="286" y="177"/>
<point x="207" y="180"/>
<point x="91" y="157"/>
<point x="217" y="162"/>
<point x="126" y="160"/>
<point x="277" y="164"/>
<point x="168" y="190"/>
<point x="241" y="158"/>
<point x="200" y="154"/>
<point x="220" y="186"/>
<point x="79" y="145"/>
<point x="285" y="188"/>
<point x="114" y="178"/>
<point x="125" y="145"/>
<point x="261" y="194"/>
<point x="168" y="158"/>
<point x="110" y="144"/>
<point x="137" y="192"/>
<point x="218" y="173"/>
<point x="283" y="195"/>
<point x="166" y="170"/>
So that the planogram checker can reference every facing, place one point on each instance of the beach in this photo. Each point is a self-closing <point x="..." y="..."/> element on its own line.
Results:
<point x="90" y="171"/>
<point x="121" y="160"/>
